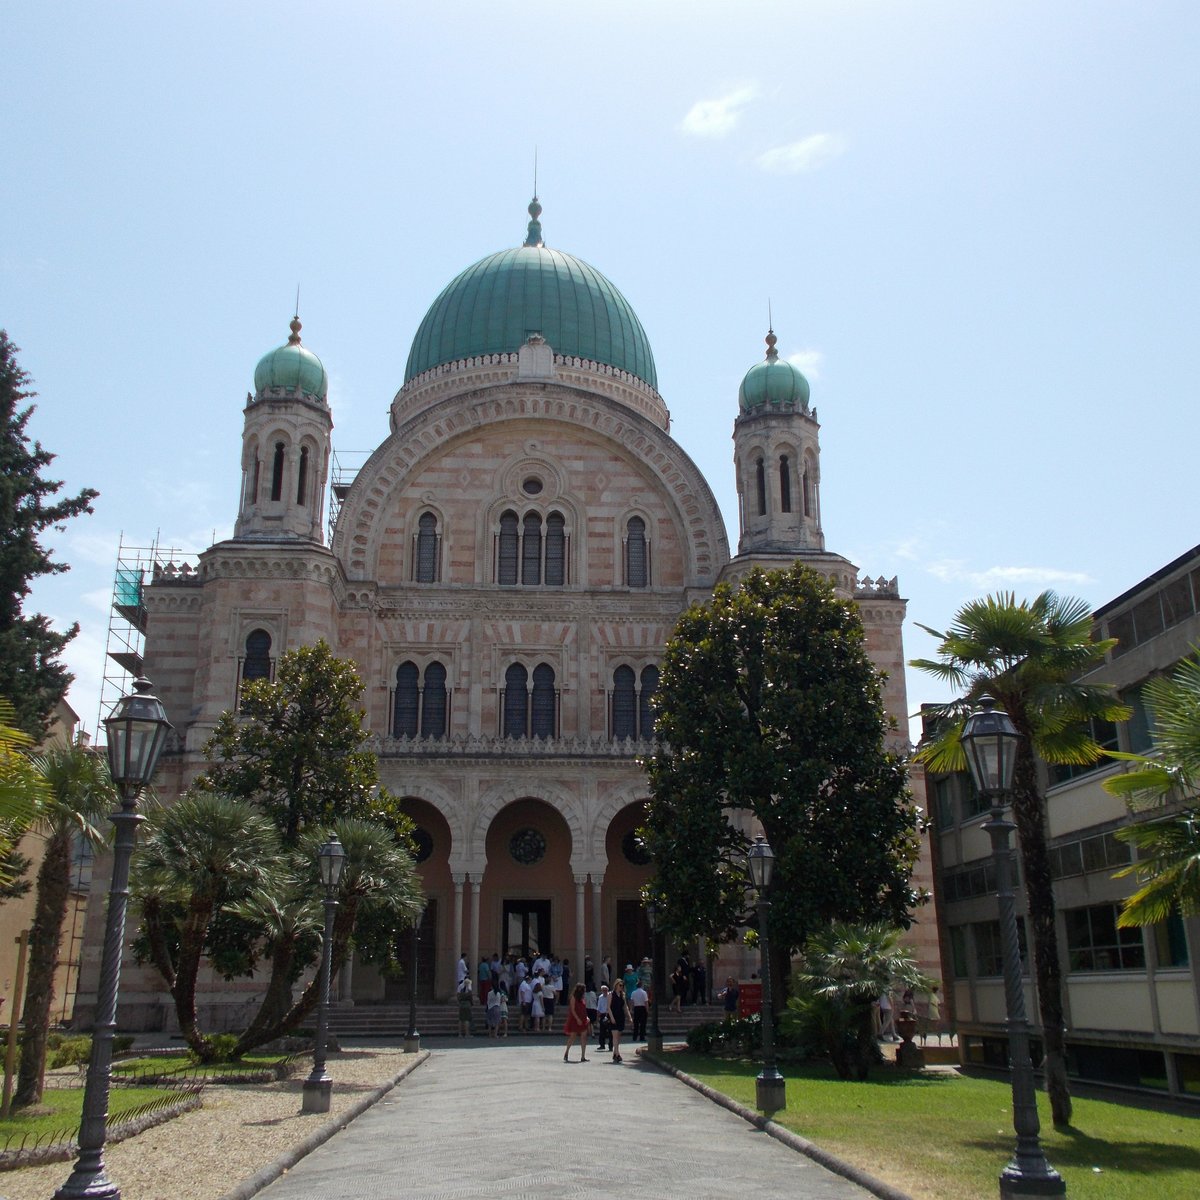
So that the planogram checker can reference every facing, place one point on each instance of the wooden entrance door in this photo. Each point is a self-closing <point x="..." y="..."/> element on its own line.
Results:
<point x="526" y="928"/>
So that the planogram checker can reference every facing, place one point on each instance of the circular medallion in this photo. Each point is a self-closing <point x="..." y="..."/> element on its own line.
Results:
<point x="422" y="844"/>
<point x="527" y="847"/>
<point x="532" y="486"/>
<point x="634" y="849"/>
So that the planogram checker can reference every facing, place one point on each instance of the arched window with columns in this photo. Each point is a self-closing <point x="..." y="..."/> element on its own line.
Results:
<point x="516" y="701"/>
<point x="760" y="486"/>
<point x="785" y="483"/>
<point x="427" y="558"/>
<point x="277" y="472"/>
<point x="646" y="701"/>
<point x="637" y="554"/>
<point x="624" y="703"/>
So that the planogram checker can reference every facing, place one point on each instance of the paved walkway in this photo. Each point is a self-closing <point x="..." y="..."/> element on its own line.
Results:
<point x="490" y="1119"/>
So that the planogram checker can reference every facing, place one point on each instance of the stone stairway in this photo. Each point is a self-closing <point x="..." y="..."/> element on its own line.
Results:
<point x="441" y="1020"/>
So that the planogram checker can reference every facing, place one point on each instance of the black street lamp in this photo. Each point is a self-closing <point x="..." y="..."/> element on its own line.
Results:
<point x="990" y="740"/>
<point x="769" y="1087"/>
<point x="136" y="732"/>
<point x="319" y="1086"/>
<point x="412" y="1039"/>
<point x="654" y="1037"/>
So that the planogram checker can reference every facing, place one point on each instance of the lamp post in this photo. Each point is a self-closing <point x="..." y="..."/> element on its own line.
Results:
<point x="990" y="740"/>
<point x="135" y="733"/>
<point x="318" y="1086"/>
<point x="654" y="1037"/>
<point x="769" y="1087"/>
<point x="412" y="1039"/>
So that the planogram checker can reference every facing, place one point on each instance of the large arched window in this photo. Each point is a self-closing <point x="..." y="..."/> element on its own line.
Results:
<point x="257" y="663"/>
<point x="277" y="473"/>
<point x="646" y="702"/>
<point x="637" y="574"/>
<point x="544" y="706"/>
<point x="785" y="484"/>
<point x="516" y="701"/>
<point x="427" y="557"/>
<point x="556" y="550"/>
<point x="624" y="703"/>
<point x="760" y="484"/>
<point x="507" y="550"/>
<point x="433" y="702"/>
<point x="406" y="705"/>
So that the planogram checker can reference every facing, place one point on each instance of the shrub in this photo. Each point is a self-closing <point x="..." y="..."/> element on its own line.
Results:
<point x="223" y="1046"/>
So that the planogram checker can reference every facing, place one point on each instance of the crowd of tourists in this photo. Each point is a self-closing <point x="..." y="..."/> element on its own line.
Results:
<point x="522" y="994"/>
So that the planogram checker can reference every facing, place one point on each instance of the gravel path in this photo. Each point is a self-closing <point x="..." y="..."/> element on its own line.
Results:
<point x="237" y="1131"/>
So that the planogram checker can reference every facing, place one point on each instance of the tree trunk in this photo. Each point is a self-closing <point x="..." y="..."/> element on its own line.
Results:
<point x="278" y="996"/>
<point x="1029" y="814"/>
<point x="187" y="971"/>
<point x="53" y="886"/>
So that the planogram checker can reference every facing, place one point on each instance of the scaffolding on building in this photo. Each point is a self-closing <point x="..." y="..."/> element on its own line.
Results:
<point x="343" y="469"/>
<point x="126" y="639"/>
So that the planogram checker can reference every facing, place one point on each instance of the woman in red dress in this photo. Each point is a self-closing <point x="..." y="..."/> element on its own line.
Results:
<point x="576" y="1025"/>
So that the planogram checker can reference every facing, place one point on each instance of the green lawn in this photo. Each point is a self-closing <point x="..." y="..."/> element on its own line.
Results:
<point x="61" y="1107"/>
<point x="941" y="1136"/>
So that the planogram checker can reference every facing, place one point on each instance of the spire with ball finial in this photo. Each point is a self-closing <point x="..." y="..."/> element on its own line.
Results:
<point x="534" y="235"/>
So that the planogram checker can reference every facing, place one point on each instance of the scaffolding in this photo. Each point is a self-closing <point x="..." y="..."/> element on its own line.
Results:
<point x="343" y="470"/>
<point x="123" y="649"/>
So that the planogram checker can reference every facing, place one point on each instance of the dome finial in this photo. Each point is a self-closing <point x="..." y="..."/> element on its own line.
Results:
<point x="772" y="353"/>
<point x="533" y="236"/>
<point x="295" y="326"/>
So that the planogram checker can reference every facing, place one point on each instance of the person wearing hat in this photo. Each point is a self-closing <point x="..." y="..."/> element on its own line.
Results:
<point x="630" y="979"/>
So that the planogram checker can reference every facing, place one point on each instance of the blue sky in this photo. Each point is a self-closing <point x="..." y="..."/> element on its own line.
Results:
<point x="976" y="224"/>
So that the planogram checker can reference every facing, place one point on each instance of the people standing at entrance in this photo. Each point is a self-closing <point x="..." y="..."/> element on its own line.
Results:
<point x="679" y="987"/>
<point x="606" y="971"/>
<point x="729" y="995"/>
<point x="464" y="1007"/>
<point x="603" y="1027"/>
<point x="617" y="1009"/>
<point x="699" y="984"/>
<point x="630" y="979"/>
<point x="493" y="1010"/>
<point x="576" y="1024"/>
<point x="525" y="998"/>
<point x="484" y="976"/>
<point x="461" y="970"/>
<point x="502" y="1028"/>
<point x="639" y="1002"/>
<point x="538" y="1009"/>
<point x="589" y="974"/>
<point x="549" y="1000"/>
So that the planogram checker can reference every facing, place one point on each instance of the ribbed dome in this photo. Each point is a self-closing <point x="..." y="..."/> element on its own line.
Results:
<point x="292" y="367"/>
<point x="493" y="307"/>
<point x="773" y="383"/>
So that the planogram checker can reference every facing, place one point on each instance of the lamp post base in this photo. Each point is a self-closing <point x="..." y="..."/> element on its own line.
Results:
<point x="317" y="1093"/>
<point x="1014" y="1184"/>
<point x="412" y="1043"/>
<point x="654" y="1043"/>
<point x="770" y="1093"/>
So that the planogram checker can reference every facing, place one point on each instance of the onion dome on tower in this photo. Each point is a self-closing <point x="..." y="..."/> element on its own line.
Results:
<point x="773" y="384"/>
<point x="292" y="367"/>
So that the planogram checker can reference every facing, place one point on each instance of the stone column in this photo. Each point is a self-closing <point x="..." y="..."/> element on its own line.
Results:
<point x="580" y="942"/>
<point x="346" y="982"/>
<point x="473" y="961"/>
<point x="597" y="939"/>
<point x="456" y="929"/>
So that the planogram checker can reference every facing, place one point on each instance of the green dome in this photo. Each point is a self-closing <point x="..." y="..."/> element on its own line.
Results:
<point x="493" y="307"/>
<point x="292" y="367"/>
<point x="774" y="383"/>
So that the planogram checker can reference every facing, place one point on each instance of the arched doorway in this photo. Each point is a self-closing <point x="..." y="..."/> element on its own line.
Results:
<point x="434" y="842"/>
<point x="627" y="870"/>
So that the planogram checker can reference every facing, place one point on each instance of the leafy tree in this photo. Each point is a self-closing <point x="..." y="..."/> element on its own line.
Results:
<point x="846" y="969"/>
<point x="1029" y="656"/>
<point x="80" y="793"/>
<point x="1168" y="863"/>
<point x="31" y="674"/>
<point x="769" y="708"/>
<point x="294" y="747"/>
<point x="22" y="791"/>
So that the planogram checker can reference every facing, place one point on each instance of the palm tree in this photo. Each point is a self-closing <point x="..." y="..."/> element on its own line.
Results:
<point x="1028" y="655"/>
<point x="201" y="854"/>
<point x="22" y="791"/>
<point x="1168" y="863"/>
<point x="79" y="793"/>
<point x="846" y="969"/>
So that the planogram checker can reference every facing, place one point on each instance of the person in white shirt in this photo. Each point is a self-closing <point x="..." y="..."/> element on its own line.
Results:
<point x="639" y="1002"/>
<point x="525" y="995"/>
<point x="493" y="1010"/>
<point x="461" y="971"/>
<point x="603" y="1031"/>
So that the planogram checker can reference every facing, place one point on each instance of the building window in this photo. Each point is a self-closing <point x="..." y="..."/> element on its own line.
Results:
<point x="636" y="554"/>
<point x="944" y="792"/>
<point x="1170" y="942"/>
<point x="515" y="703"/>
<point x="1139" y="729"/>
<point x="254" y="485"/>
<point x="277" y="473"/>
<point x="624" y="704"/>
<point x="785" y="484"/>
<point x="302" y="475"/>
<point x="510" y="541"/>
<point x="989" y="947"/>
<point x="256" y="663"/>
<point x="406" y="703"/>
<point x="646" y="702"/>
<point x="556" y="550"/>
<point x="544" y="708"/>
<point x="1101" y="852"/>
<point x="808" y="493"/>
<point x="522" y="547"/>
<point x="433" y="702"/>
<point x="1096" y="943"/>
<point x="958" y="951"/>
<point x="1104" y="733"/>
<point x="760" y="483"/>
<point x="428" y="556"/>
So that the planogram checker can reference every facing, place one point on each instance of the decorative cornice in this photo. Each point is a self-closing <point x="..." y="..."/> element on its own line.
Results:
<point x="515" y="752"/>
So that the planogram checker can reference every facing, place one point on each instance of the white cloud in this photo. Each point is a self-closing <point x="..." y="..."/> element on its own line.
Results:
<point x="718" y="118"/>
<point x="993" y="578"/>
<point x="805" y="155"/>
<point x="809" y="361"/>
